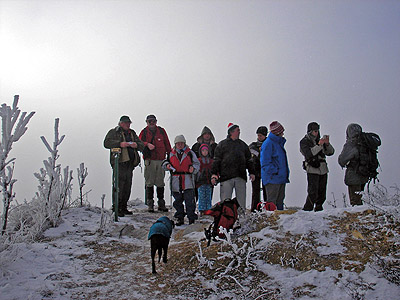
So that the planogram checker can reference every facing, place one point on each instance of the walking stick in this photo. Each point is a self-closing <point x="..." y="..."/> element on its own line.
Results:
<point x="115" y="190"/>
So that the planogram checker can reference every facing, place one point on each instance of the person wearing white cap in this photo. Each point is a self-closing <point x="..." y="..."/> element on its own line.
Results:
<point x="183" y="165"/>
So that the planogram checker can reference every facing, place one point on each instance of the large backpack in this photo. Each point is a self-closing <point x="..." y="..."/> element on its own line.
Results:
<point x="368" y="163"/>
<point x="225" y="214"/>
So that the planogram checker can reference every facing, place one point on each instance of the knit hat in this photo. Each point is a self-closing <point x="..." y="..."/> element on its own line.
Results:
<point x="125" y="119"/>
<point x="203" y="146"/>
<point x="312" y="126"/>
<point x="180" y="138"/>
<point x="232" y="127"/>
<point x="262" y="130"/>
<point x="276" y="128"/>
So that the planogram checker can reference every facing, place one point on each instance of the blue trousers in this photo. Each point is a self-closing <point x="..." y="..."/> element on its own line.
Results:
<point x="205" y="197"/>
<point x="186" y="196"/>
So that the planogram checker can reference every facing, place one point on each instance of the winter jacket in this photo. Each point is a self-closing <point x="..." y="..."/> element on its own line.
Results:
<point x="255" y="148"/>
<point x="181" y="179"/>
<point x="204" y="175"/>
<point x="309" y="148"/>
<point x="231" y="159"/>
<point x="114" y="138"/>
<point x="211" y="144"/>
<point x="162" y="226"/>
<point x="273" y="159"/>
<point x="161" y="142"/>
<point x="349" y="156"/>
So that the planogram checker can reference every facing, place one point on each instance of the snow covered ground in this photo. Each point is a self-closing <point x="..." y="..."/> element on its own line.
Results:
<point x="333" y="254"/>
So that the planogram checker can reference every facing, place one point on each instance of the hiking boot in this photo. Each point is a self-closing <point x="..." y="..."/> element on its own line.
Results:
<point x="180" y="222"/>
<point x="164" y="209"/>
<point x="191" y="222"/>
<point x="150" y="209"/>
<point x="127" y="212"/>
<point x="318" y="208"/>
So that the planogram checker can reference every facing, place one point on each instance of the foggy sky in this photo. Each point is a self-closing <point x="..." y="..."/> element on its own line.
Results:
<point x="196" y="63"/>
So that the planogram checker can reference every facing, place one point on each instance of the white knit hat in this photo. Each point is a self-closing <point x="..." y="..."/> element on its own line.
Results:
<point x="180" y="138"/>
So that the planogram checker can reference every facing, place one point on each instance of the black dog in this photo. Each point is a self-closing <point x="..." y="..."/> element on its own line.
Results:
<point x="159" y="235"/>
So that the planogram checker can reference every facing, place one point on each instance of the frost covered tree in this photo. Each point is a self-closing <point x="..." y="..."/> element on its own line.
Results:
<point x="82" y="174"/>
<point x="54" y="182"/>
<point x="13" y="127"/>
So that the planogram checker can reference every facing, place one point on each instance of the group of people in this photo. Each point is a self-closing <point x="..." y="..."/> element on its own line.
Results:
<point x="196" y="170"/>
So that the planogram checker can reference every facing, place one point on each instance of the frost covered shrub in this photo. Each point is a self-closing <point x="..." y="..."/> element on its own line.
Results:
<point x="11" y="132"/>
<point x="28" y="220"/>
<point x="382" y="200"/>
<point x="82" y="174"/>
<point x="54" y="183"/>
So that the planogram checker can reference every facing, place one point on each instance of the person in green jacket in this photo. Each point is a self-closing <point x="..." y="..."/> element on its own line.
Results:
<point x="125" y="138"/>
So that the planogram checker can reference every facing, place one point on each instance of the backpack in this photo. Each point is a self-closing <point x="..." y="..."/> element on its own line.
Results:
<point x="368" y="163"/>
<point x="268" y="206"/>
<point x="225" y="214"/>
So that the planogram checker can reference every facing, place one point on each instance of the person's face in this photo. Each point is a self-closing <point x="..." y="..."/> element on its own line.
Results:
<point x="204" y="151"/>
<point x="125" y="125"/>
<point x="235" y="133"/>
<point x="315" y="133"/>
<point x="180" y="145"/>
<point x="261" y="137"/>
<point x="151" y="122"/>
<point x="207" y="136"/>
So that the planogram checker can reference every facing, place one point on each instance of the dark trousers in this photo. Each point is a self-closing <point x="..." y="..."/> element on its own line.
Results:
<point x="125" y="175"/>
<point x="255" y="196"/>
<point x="355" y="198"/>
<point x="186" y="196"/>
<point x="316" y="191"/>
<point x="276" y="194"/>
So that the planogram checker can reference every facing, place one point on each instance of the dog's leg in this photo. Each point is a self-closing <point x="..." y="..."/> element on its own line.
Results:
<point x="153" y="254"/>
<point x="165" y="259"/>
<point x="159" y="252"/>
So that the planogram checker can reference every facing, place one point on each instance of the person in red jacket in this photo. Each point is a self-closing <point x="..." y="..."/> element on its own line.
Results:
<point x="157" y="147"/>
<point x="183" y="165"/>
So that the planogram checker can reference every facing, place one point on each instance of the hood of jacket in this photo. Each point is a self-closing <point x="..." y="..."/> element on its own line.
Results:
<point x="277" y="139"/>
<point x="206" y="130"/>
<point x="353" y="131"/>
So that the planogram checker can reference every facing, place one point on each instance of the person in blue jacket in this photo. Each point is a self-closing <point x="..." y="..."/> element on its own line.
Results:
<point x="274" y="165"/>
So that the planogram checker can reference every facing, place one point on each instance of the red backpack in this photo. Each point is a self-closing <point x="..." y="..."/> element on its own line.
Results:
<point x="269" y="206"/>
<point x="225" y="214"/>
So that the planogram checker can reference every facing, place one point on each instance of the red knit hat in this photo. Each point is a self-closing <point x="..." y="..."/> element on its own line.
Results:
<point x="232" y="127"/>
<point x="276" y="128"/>
<point x="203" y="146"/>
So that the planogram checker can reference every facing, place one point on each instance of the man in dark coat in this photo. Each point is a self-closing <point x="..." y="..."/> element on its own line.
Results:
<point x="315" y="150"/>
<point x="255" y="148"/>
<point x="125" y="138"/>
<point x="231" y="159"/>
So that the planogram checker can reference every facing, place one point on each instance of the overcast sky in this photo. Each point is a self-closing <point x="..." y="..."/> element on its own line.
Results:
<point x="196" y="63"/>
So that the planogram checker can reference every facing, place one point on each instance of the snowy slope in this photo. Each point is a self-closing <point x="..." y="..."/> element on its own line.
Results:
<point x="291" y="255"/>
